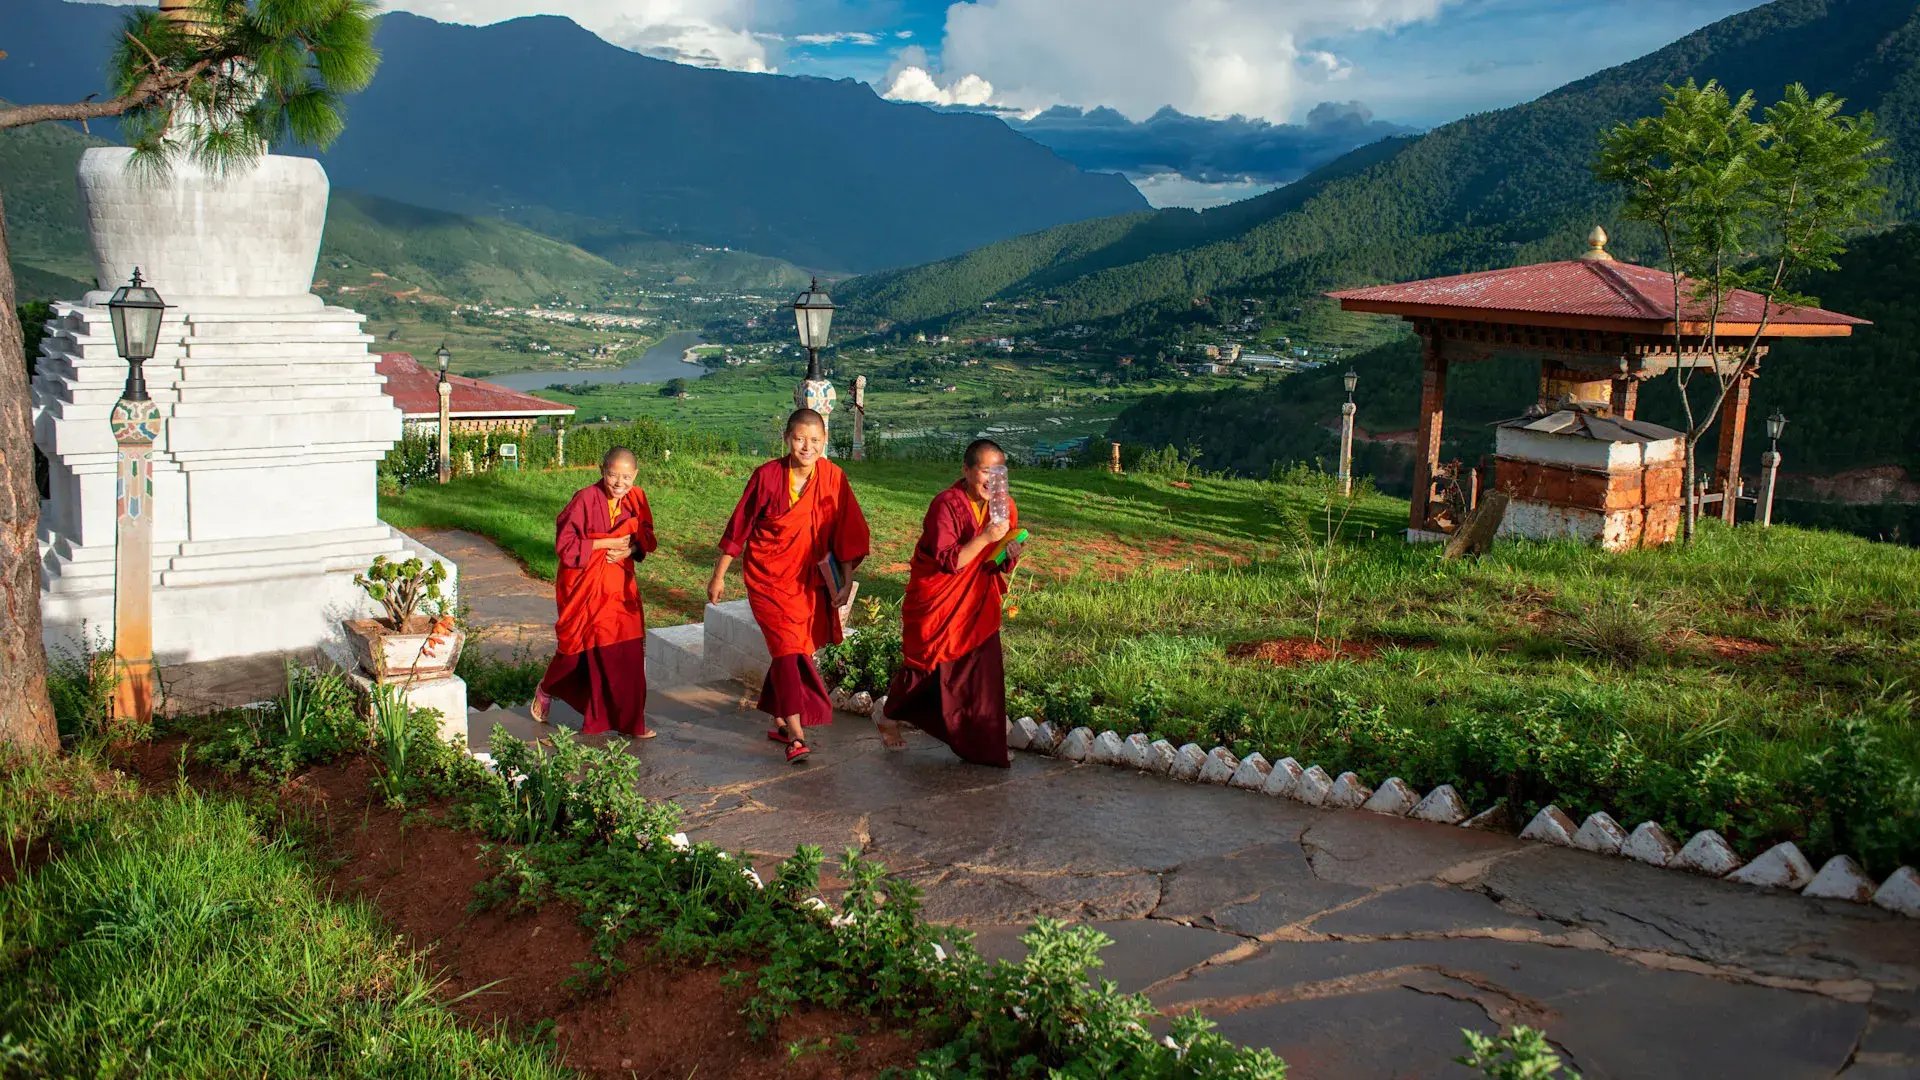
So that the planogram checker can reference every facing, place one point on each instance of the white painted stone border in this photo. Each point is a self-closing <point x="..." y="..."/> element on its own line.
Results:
<point x="1706" y="853"/>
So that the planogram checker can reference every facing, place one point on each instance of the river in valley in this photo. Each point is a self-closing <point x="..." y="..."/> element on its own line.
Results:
<point x="656" y="365"/>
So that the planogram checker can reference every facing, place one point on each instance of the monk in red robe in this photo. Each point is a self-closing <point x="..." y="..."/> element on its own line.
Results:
<point x="796" y="510"/>
<point x="600" y="666"/>
<point x="954" y="684"/>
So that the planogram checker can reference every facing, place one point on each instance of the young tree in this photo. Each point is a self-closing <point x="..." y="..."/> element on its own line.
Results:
<point x="1741" y="203"/>
<point x="212" y="81"/>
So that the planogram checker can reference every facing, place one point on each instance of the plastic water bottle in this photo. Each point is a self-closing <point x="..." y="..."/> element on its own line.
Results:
<point x="998" y="506"/>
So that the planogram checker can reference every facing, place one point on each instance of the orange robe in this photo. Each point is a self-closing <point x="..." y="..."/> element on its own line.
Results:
<point x="954" y="683"/>
<point x="599" y="667"/>
<point x="780" y="541"/>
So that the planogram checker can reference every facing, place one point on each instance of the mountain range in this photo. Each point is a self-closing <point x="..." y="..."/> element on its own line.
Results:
<point x="539" y="121"/>
<point x="1493" y="189"/>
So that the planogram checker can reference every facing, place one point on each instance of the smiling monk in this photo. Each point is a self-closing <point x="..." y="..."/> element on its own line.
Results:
<point x="796" y="510"/>
<point x="600" y="665"/>
<point x="954" y="684"/>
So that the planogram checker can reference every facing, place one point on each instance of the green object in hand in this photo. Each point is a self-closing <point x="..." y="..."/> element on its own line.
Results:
<point x="1018" y="538"/>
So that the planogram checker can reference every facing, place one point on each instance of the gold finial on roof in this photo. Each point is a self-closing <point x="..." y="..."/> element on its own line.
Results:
<point x="1597" y="246"/>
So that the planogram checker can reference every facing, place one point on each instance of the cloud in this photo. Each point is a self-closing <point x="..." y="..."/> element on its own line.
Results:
<point x="1255" y="58"/>
<point x="917" y="84"/>
<point x="844" y="37"/>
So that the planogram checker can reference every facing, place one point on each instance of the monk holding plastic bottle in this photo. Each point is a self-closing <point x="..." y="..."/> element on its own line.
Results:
<point x="954" y="684"/>
<point x="798" y="533"/>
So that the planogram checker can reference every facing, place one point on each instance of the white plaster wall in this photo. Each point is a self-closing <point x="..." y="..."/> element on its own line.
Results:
<point x="181" y="228"/>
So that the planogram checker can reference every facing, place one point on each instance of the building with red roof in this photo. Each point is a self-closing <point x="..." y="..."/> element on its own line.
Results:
<point x="476" y="405"/>
<point x="1599" y="328"/>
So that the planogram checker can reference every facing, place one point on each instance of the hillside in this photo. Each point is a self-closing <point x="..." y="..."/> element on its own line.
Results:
<point x="537" y="115"/>
<point x="443" y="253"/>
<point x="1850" y="402"/>
<point x="1493" y="189"/>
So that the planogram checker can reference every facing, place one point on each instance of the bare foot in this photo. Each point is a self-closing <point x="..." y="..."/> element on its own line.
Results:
<point x="890" y="736"/>
<point x="648" y="734"/>
<point x="542" y="704"/>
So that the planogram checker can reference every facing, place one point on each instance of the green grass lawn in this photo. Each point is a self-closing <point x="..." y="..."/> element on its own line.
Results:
<point x="1724" y="685"/>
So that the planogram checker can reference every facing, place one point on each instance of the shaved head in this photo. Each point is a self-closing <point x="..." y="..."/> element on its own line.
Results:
<point x="804" y="417"/>
<point x="619" y="455"/>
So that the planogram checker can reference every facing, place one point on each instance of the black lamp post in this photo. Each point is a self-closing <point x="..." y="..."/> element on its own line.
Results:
<point x="813" y="316"/>
<point x="1351" y="379"/>
<point x="136" y="311"/>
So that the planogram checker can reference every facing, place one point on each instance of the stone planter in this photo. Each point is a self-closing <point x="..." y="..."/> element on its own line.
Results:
<point x="387" y="655"/>
<point x="248" y="232"/>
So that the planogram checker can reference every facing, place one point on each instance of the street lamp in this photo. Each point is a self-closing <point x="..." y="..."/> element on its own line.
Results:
<point x="1770" y="466"/>
<point x="813" y="317"/>
<point x="135" y="311"/>
<point x="1351" y="379"/>
<point x="446" y="410"/>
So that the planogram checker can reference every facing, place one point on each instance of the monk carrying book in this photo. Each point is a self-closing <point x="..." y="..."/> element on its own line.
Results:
<point x="954" y="684"/>
<point x="600" y="665"/>
<point x="797" y="514"/>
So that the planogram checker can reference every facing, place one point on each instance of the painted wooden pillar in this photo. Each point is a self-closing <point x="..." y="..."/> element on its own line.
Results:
<point x="1426" y="448"/>
<point x="136" y="427"/>
<point x="1733" y="431"/>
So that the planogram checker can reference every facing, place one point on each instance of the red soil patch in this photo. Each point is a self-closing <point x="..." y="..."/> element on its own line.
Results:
<point x="1733" y="648"/>
<point x="656" y="1019"/>
<point x="1289" y="652"/>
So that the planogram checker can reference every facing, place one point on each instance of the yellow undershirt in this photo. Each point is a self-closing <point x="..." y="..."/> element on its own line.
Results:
<point x="979" y="511"/>
<point x="796" y="485"/>
<point x="613" y="510"/>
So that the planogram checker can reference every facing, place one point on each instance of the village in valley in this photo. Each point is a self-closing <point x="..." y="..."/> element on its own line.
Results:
<point x="1453" y="610"/>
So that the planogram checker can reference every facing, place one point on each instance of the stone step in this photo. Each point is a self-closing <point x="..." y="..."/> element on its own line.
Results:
<point x="734" y="647"/>
<point x="676" y="656"/>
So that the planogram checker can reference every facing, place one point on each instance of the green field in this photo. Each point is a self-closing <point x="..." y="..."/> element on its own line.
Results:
<point x="1019" y="401"/>
<point x="1762" y="682"/>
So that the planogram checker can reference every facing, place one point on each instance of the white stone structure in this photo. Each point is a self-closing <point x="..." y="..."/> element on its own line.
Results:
<point x="1581" y="473"/>
<point x="274" y="417"/>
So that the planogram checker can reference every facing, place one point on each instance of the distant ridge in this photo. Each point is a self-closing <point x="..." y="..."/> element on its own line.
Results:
<point x="1494" y="189"/>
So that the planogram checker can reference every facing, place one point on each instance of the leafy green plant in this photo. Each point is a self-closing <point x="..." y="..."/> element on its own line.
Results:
<point x="1522" y="1053"/>
<point x="81" y="686"/>
<point x="1865" y="799"/>
<point x="867" y="659"/>
<point x="316" y="719"/>
<point x="404" y="588"/>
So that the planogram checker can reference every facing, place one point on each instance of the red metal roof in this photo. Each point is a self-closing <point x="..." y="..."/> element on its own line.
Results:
<point x="416" y="390"/>
<point x="1638" y="296"/>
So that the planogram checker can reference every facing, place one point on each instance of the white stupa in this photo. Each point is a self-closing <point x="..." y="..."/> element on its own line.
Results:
<point x="264" y="486"/>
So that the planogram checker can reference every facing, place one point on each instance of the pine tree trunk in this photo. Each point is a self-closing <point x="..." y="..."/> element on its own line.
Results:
<point x="26" y="715"/>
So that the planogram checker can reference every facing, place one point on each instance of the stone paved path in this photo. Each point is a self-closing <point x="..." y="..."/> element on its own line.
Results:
<point x="1353" y="944"/>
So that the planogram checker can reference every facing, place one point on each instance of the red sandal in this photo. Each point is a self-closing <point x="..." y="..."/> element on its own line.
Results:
<point x="796" y="750"/>
<point x="776" y="735"/>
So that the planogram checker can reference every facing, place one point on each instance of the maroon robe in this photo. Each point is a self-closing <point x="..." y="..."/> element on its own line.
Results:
<point x="780" y="541"/>
<point x="953" y="685"/>
<point x="600" y="665"/>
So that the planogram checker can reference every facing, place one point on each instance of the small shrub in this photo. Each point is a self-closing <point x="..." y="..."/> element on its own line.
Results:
<point x="316" y="719"/>
<point x="868" y="659"/>
<point x="1617" y="631"/>
<point x="81" y="686"/>
<point x="1864" y="799"/>
<point x="1520" y="1054"/>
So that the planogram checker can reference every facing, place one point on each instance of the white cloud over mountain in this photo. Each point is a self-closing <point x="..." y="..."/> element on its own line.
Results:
<point x="1205" y="58"/>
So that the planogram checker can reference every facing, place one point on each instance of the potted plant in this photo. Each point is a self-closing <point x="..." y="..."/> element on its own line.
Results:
<point x="416" y="641"/>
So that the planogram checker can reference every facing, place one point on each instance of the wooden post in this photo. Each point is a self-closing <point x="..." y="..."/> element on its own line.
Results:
<point x="560" y="444"/>
<point x="1426" y="448"/>
<point x="1733" y="431"/>
<point x="1626" y="397"/>
<point x="446" y="429"/>
<point x="1113" y="466"/>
